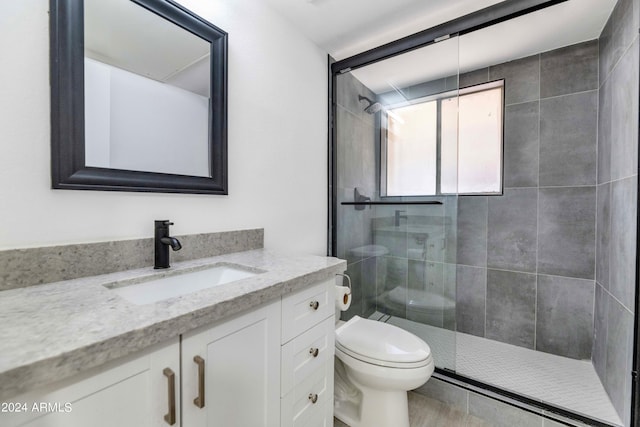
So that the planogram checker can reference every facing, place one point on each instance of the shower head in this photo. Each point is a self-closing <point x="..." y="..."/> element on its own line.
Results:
<point x="373" y="107"/>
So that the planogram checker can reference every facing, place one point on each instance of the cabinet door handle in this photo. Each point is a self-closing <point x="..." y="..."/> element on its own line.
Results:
<point x="314" y="305"/>
<point x="170" y="418"/>
<point x="313" y="397"/>
<point x="199" y="401"/>
<point x="314" y="351"/>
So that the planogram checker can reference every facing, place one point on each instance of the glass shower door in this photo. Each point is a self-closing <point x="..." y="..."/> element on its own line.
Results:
<point x="400" y="244"/>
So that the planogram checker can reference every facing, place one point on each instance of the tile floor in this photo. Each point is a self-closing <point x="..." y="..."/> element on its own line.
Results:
<point x="561" y="381"/>
<point x="426" y="412"/>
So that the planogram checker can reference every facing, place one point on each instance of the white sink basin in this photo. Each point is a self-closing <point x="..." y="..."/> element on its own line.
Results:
<point x="151" y="290"/>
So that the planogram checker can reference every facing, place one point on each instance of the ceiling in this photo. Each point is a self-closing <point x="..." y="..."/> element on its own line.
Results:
<point x="346" y="27"/>
<point x="564" y="24"/>
<point x="130" y="37"/>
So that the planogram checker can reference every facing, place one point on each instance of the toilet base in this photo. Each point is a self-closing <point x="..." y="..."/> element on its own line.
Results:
<point x="360" y="406"/>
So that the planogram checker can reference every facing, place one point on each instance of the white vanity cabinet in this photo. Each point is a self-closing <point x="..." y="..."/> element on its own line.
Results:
<point x="142" y="390"/>
<point x="231" y="371"/>
<point x="272" y="366"/>
<point x="308" y="330"/>
<point x="267" y="367"/>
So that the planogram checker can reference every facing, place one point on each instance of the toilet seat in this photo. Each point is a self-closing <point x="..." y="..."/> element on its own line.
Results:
<point x="381" y="344"/>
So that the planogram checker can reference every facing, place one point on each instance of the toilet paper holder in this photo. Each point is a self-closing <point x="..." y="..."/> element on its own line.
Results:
<point x="348" y="280"/>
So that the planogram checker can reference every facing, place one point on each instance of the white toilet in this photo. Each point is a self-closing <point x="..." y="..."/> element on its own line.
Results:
<point x="376" y="364"/>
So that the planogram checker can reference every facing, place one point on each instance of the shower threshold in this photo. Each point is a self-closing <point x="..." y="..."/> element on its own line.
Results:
<point x="558" y="381"/>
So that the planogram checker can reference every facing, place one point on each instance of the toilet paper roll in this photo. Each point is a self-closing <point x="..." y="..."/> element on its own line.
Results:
<point x="343" y="298"/>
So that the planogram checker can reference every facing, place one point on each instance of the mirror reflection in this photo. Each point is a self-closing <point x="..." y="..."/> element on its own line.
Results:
<point x="147" y="91"/>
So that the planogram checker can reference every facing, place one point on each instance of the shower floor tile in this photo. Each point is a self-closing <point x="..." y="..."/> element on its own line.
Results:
<point x="560" y="381"/>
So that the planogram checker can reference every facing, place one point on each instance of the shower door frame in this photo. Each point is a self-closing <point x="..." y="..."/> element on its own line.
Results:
<point x="486" y="17"/>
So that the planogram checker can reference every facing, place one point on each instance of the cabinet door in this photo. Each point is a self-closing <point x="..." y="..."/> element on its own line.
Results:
<point x="130" y="392"/>
<point x="231" y="372"/>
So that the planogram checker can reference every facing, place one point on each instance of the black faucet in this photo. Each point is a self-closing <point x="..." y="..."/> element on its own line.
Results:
<point x="398" y="217"/>
<point x="162" y="243"/>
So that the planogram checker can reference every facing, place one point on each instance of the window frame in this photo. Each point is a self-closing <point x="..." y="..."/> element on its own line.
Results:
<point x="439" y="97"/>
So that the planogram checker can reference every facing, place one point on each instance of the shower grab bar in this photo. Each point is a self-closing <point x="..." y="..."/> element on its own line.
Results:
<point x="430" y="202"/>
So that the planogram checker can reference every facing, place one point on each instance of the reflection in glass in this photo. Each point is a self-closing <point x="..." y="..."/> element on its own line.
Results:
<point x="147" y="91"/>
<point x="401" y="258"/>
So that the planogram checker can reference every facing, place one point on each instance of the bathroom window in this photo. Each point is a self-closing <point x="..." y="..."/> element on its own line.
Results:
<point x="445" y="144"/>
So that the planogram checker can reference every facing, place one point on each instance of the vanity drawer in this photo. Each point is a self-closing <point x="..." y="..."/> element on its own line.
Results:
<point x="306" y="308"/>
<point x="307" y="352"/>
<point x="309" y="403"/>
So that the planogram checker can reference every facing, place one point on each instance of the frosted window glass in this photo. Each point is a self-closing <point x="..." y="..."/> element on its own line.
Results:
<point x="472" y="143"/>
<point x="480" y="142"/>
<point x="412" y="150"/>
<point x="449" y="148"/>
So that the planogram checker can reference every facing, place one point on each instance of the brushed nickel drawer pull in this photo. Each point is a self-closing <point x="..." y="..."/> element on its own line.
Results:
<point x="170" y="418"/>
<point x="199" y="401"/>
<point x="314" y="305"/>
<point x="313" y="397"/>
<point x="314" y="351"/>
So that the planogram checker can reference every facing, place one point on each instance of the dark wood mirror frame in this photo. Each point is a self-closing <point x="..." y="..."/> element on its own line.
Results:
<point x="68" y="168"/>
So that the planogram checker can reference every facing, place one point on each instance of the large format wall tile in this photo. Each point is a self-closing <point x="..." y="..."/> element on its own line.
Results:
<point x="472" y="230"/>
<point x="568" y="139"/>
<point x="624" y="116"/>
<point x="355" y="152"/>
<point x="474" y="77"/>
<point x="353" y="232"/>
<point x="620" y="30"/>
<point x="618" y="374"/>
<point x="471" y="299"/>
<point x="511" y="299"/>
<point x="521" y="144"/>
<point x="604" y="133"/>
<point x="569" y="70"/>
<point x="564" y="319"/>
<point x="622" y="264"/>
<point x="522" y="79"/>
<point x="566" y="235"/>
<point x="601" y="314"/>
<point x="511" y="241"/>
<point x="603" y="236"/>
<point x="347" y="90"/>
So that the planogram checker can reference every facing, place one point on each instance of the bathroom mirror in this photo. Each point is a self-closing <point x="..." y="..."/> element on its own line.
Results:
<point x="138" y="98"/>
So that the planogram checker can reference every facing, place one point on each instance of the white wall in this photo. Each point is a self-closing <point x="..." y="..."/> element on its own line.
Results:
<point x="145" y="124"/>
<point x="277" y="141"/>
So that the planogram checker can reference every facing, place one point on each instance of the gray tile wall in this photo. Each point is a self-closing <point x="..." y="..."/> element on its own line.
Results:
<point x="356" y="167"/>
<point x="534" y="247"/>
<point x="616" y="203"/>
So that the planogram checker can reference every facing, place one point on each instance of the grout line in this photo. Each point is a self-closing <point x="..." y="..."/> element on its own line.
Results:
<point x="569" y="94"/>
<point x="486" y="273"/>
<point x="595" y="259"/>
<point x="535" y="304"/>
<point x="615" y="65"/>
<point x="468" y="394"/>
<point x="526" y="272"/>
<point x="616" y="299"/>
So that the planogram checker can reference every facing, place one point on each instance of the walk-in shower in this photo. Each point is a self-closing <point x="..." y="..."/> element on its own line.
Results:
<point x="494" y="175"/>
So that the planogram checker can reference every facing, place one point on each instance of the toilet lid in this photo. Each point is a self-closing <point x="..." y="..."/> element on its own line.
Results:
<point x="376" y="341"/>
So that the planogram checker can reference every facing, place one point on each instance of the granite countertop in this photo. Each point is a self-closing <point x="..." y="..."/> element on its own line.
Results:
<point x="50" y="332"/>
